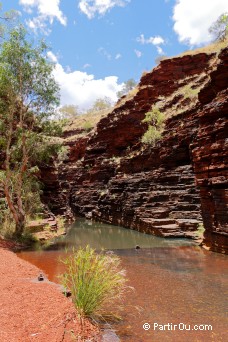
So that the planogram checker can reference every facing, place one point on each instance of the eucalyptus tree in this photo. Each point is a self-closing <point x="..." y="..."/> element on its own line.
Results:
<point x="28" y="98"/>
<point x="6" y="19"/>
<point x="219" y="29"/>
<point x="128" y="86"/>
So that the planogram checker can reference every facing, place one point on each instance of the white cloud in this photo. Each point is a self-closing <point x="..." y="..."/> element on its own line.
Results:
<point x="193" y="19"/>
<point x="87" y="65"/>
<point x="138" y="53"/>
<point x="157" y="40"/>
<point x="82" y="89"/>
<point x="160" y="50"/>
<point x="105" y="53"/>
<point x="47" y="12"/>
<point x="92" y="7"/>
<point x="118" y="56"/>
<point x="53" y="58"/>
<point x="39" y="24"/>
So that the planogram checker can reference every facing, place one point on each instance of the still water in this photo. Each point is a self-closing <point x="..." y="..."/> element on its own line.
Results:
<point x="175" y="282"/>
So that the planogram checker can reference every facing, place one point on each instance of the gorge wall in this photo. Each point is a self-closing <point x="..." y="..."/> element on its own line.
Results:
<point x="166" y="189"/>
<point x="210" y="152"/>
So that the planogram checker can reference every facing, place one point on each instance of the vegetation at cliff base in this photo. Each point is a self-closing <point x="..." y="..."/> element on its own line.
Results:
<point x="96" y="281"/>
<point x="28" y="98"/>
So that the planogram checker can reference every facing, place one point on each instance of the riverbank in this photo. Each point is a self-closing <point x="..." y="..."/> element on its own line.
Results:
<point x="36" y="311"/>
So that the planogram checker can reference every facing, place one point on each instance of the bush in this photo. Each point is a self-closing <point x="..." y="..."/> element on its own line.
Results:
<point x="155" y="119"/>
<point x="7" y="225"/>
<point x="96" y="282"/>
<point x="151" y="136"/>
<point x="63" y="153"/>
<point x="88" y="126"/>
<point x="189" y="92"/>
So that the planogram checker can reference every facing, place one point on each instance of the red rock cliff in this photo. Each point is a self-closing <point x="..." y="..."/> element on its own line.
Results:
<point x="210" y="154"/>
<point x="167" y="189"/>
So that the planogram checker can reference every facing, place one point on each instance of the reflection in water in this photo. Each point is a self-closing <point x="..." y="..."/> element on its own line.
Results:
<point x="100" y="235"/>
<point x="215" y="242"/>
<point x="174" y="281"/>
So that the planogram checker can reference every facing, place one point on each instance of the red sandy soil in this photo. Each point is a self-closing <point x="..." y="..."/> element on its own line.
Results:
<point x="36" y="311"/>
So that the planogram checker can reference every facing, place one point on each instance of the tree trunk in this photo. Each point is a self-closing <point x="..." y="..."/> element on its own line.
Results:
<point x="20" y="225"/>
<point x="18" y="213"/>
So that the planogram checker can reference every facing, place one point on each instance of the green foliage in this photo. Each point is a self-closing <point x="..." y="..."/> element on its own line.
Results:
<point x="219" y="29"/>
<point x="63" y="153"/>
<point x="69" y="112"/>
<point x="85" y="119"/>
<point x="96" y="281"/>
<point x="31" y="195"/>
<point x="189" y="92"/>
<point x="28" y="98"/>
<point x="155" y="120"/>
<point x="7" y="226"/>
<point x="87" y="126"/>
<point x="128" y="86"/>
<point x="154" y="117"/>
<point x="200" y="229"/>
<point x="27" y="74"/>
<point x="151" y="136"/>
<point x="100" y="104"/>
<point x="27" y="238"/>
<point x="51" y="128"/>
<point x="7" y="18"/>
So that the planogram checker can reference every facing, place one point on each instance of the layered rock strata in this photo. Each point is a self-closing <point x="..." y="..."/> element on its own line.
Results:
<point x="169" y="188"/>
<point x="210" y="156"/>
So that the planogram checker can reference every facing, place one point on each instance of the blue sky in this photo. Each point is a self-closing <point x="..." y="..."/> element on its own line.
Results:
<point x="99" y="44"/>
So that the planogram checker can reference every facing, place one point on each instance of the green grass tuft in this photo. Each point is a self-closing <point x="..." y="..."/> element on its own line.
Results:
<point x="96" y="281"/>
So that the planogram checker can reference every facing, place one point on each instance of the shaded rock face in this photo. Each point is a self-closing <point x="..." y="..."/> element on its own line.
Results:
<point x="210" y="156"/>
<point x="168" y="189"/>
<point x="58" y="178"/>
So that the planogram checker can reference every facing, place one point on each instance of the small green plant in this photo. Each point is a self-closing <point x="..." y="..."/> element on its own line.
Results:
<point x="200" y="229"/>
<point x="61" y="223"/>
<point x="27" y="238"/>
<point x="7" y="225"/>
<point x="63" y="153"/>
<point x="88" y="126"/>
<point x="155" y="119"/>
<point x="96" y="282"/>
<point x="189" y="92"/>
<point x="151" y="136"/>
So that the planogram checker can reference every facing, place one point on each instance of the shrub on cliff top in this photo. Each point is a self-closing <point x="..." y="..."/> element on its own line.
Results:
<point x="219" y="29"/>
<point x="96" y="281"/>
